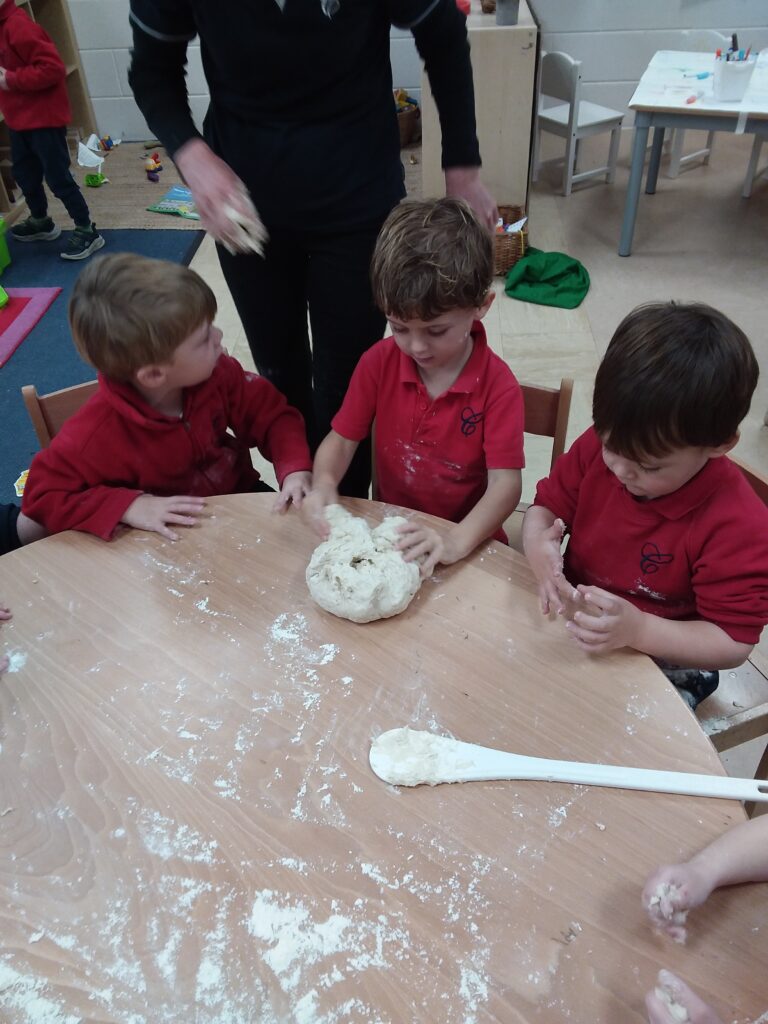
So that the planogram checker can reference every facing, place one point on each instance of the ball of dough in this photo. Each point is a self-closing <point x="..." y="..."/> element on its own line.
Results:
<point x="357" y="573"/>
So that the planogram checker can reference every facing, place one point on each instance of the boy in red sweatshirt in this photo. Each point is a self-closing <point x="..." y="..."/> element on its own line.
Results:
<point x="35" y="105"/>
<point x="174" y="417"/>
<point x="668" y="543"/>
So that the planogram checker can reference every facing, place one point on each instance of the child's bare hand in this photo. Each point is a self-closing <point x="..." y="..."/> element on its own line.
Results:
<point x="546" y="561"/>
<point x="151" y="513"/>
<point x="671" y="997"/>
<point x="422" y="544"/>
<point x="313" y="510"/>
<point x="608" y="622"/>
<point x="296" y="487"/>
<point x="670" y="892"/>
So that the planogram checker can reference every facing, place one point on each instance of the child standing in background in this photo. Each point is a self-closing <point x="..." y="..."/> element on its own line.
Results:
<point x="668" y="547"/>
<point x="448" y="411"/>
<point x="35" y="106"/>
<point x="174" y="417"/>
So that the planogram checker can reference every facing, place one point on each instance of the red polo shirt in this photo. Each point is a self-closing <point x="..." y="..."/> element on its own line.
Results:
<point x="700" y="552"/>
<point x="434" y="455"/>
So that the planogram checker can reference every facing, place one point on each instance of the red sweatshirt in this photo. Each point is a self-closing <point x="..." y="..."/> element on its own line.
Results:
<point x="118" y="447"/>
<point x="698" y="553"/>
<point x="35" y="74"/>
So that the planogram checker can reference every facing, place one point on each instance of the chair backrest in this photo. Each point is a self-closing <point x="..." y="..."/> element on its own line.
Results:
<point x="560" y="76"/>
<point x="49" y="412"/>
<point x="757" y="481"/>
<point x="546" y="413"/>
<point x="704" y="39"/>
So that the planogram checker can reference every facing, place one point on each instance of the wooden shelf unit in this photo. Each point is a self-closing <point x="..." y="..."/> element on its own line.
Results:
<point x="54" y="17"/>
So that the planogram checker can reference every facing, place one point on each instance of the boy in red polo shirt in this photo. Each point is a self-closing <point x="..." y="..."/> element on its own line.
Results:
<point x="668" y="548"/>
<point x="174" y="417"/>
<point x="448" y="410"/>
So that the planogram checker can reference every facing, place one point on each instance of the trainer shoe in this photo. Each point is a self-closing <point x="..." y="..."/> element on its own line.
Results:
<point x="82" y="243"/>
<point x="36" y="229"/>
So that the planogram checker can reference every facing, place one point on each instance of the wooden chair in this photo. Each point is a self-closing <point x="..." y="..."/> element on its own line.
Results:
<point x="49" y="412"/>
<point x="546" y="415"/>
<point x="572" y="120"/>
<point x="737" y="711"/>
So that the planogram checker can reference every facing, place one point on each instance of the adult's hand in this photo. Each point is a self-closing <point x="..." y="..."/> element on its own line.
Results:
<point x="464" y="183"/>
<point x="221" y="198"/>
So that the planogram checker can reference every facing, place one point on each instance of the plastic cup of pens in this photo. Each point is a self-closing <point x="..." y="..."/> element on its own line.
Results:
<point x="732" y="79"/>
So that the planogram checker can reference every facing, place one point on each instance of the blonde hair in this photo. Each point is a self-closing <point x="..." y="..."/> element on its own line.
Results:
<point x="432" y="256"/>
<point x="127" y="311"/>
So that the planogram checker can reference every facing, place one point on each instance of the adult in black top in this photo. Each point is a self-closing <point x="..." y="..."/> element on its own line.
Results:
<point x="301" y="112"/>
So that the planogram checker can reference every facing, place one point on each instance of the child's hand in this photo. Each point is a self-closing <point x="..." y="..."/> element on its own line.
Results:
<point x="670" y="892"/>
<point x="672" y="992"/>
<point x="148" y="512"/>
<point x="425" y="545"/>
<point x="296" y="487"/>
<point x="313" y="510"/>
<point x="609" y="622"/>
<point x="3" y="80"/>
<point x="546" y="561"/>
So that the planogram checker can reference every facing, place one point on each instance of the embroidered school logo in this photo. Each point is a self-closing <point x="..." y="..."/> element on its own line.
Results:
<point x="651" y="558"/>
<point x="469" y="420"/>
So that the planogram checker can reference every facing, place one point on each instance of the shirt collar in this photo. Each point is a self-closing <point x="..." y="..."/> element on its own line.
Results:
<point x="467" y="380"/>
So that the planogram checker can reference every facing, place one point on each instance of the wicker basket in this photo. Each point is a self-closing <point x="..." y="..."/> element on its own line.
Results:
<point x="508" y="249"/>
<point x="407" y="122"/>
<point x="488" y="6"/>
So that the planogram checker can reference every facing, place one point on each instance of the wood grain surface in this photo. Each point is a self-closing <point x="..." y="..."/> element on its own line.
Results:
<point x="190" y="832"/>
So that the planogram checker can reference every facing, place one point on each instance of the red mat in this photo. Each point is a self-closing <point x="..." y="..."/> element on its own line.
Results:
<point x="24" y="308"/>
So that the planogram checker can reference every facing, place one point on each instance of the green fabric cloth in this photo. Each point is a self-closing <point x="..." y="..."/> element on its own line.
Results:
<point x="549" y="279"/>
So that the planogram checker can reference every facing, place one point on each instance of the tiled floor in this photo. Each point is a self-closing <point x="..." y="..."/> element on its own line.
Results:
<point x="696" y="239"/>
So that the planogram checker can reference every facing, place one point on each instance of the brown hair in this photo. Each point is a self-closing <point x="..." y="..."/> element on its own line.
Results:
<point x="674" y="375"/>
<point x="431" y="256"/>
<point x="128" y="311"/>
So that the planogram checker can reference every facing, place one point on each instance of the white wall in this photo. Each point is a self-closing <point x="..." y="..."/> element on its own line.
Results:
<point x="104" y="38"/>
<point x="615" y="39"/>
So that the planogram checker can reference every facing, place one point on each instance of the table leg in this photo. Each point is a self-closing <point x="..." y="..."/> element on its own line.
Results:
<point x="655" y="161"/>
<point x="635" y="180"/>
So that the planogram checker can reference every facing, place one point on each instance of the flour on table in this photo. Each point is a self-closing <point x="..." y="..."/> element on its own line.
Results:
<point x="663" y="898"/>
<point x="666" y="994"/>
<point x="410" y="757"/>
<point x="358" y="573"/>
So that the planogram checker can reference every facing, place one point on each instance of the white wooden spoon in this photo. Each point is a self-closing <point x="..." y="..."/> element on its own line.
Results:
<point x="409" y="757"/>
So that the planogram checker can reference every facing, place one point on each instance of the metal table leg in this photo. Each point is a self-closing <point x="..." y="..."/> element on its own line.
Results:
<point x="642" y="122"/>
<point x="655" y="161"/>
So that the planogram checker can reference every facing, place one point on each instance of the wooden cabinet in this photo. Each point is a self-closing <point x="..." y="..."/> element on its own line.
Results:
<point x="504" y="70"/>
<point x="54" y="17"/>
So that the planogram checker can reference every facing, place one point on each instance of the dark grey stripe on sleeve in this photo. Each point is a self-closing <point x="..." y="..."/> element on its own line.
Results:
<point x="424" y="14"/>
<point x="162" y="36"/>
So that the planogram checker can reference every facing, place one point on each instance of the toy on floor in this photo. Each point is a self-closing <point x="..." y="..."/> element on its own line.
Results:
<point x="153" y="166"/>
<point x="95" y="180"/>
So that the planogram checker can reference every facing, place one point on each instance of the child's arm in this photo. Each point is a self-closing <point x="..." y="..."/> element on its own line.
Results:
<point x="610" y="622"/>
<point x="42" y="67"/>
<point x="331" y="463"/>
<point x="738" y="855"/>
<point x="499" y="501"/>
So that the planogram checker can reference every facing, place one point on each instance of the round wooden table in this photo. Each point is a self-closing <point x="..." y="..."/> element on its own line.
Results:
<point x="189" y="829"/>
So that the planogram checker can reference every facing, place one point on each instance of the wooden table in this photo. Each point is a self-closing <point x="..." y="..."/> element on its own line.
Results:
<point x="666" y="98"/>
<point x="189" y="830"/>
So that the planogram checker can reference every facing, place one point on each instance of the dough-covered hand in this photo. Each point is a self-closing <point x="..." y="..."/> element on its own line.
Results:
<point x="670" y="892"/>
<point x="610" y="622"/>
<point x="313" y="510"/>
<point x="150" y="513"/>
<point x="673" y="1002"/>
<point x="546" y="561"/>
<point x="424" y="545"/>
<point x="296" y="486"/>
<point x="221" y="198"/>
<point x="464" y="183"/>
